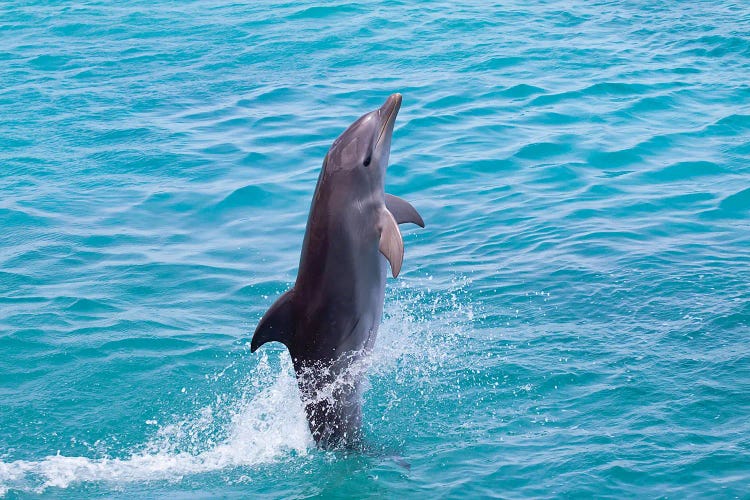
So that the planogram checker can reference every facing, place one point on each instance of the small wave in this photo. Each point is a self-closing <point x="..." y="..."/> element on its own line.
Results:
<point x="246" y="196"/>
<point x="729" y="125"/>
<point x="322" y="12"/>
<point x="10" y="217"/>
<point x="496" y="63"/>
<point x="684" y="170"/>
<point x="522" y="90"/>
<point x="48" y="62"/>
<point x="541" y="150"/>
<point x="92" y="306"/>
<point x="616" y="159"/>
<point x="737" y="202"/>
<point x="714" y="46"/>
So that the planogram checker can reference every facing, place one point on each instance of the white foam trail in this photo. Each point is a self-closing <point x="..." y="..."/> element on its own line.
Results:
<point x="266" y="427"/>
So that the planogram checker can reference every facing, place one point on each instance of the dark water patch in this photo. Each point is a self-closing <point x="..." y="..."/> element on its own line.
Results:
<point x="244" y="197"/>
<point x="729" y="125"/>
<point x="48" y="62"/>
<point x="176" y="202"/>
<point x="736" y="203"/>
<point x="221" y="149"/>
<point x="685" y="200"/>
<point x="615" y="159"/>
<point x="7" y="142"/>
<point x="522" y="91"/>
<point x="19" y="218"/>
<point x="686" y="70"/>
<point x="279" y="95"/>
<point x="613" y="174"/>
<point x="323" y="12"/>
<point x="495" y="63"/>
<point x="255" y="159"/>
<point x="741" y="149"/>
<point x="603" y="89"/>
<point x="652" y="104"/>
<point x="553" y="118"/>
<point x="73" y="29"/>
<point x="617" y="89"/>
<point x="560" y="176"/>
<point x="15" y="282"/>
<point x="715" y="46"/>
<point x="732" y="321"/>
<point x="683" y="171"/>
<point x="569" y="19"/>
<point x="25" y="338"/>
<point x="91" y="306"/>
<point x="274" y="121"/>
<point x="213" y="284"/>
<point x="611" y="237"/>
<point x="542" y="150"/>
<point x="554" y="98"/>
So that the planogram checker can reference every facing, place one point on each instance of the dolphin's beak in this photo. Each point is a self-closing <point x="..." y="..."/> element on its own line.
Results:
<point x="389" y="110"/>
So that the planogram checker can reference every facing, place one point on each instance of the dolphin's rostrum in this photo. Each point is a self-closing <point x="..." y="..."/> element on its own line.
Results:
<point x="329" y="319"/>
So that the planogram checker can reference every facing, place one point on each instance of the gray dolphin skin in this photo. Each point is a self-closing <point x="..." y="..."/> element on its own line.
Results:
<point x="329" y="319"/>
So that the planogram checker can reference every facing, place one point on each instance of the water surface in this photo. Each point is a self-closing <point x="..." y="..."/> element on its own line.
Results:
<point x="573" y="321"/>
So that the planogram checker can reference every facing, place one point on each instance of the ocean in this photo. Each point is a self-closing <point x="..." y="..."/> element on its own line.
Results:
<point x="574" y="320"/>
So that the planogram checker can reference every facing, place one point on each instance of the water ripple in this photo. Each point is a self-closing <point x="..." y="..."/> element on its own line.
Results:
<point x="571" y="322"/>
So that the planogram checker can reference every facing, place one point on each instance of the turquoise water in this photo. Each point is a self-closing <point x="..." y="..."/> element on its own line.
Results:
<point x="573" y="321"/>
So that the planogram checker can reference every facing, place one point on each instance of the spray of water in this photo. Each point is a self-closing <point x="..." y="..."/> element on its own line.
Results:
<point x="266" y="422"/>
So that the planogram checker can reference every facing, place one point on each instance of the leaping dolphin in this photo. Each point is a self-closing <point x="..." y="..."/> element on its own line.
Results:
<point x="329" y="319"/>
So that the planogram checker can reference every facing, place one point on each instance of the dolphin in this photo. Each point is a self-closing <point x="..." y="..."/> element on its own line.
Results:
<point x="329" y="319"/>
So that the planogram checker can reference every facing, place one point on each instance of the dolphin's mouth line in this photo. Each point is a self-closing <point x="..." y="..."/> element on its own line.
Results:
<point x="385" y="126"/>
<point x="394" y="110"/>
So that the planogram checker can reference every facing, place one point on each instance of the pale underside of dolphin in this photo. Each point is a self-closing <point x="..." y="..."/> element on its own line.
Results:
<point x="329" y="319"/>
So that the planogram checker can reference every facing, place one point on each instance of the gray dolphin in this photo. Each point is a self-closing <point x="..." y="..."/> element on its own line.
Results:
<point x="329" y="319"/>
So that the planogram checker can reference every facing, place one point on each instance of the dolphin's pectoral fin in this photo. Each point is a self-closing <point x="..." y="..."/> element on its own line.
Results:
<point x="391" y="244"/>
<point x="402" y="210"/>
<point x="277" y="324"/>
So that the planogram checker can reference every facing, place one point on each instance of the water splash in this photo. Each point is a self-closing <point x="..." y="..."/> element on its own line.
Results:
<point x="421" y="327"/>
<point x="266" y="424"/>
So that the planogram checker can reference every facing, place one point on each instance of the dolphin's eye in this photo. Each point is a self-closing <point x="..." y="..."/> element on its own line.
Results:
<point x="367" y="161"/>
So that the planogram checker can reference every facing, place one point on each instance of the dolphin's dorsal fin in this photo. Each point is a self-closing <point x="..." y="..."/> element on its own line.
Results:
<point x="402" y="210"/>
<point x="391" y="244"/>
<point x="277" y="324"/>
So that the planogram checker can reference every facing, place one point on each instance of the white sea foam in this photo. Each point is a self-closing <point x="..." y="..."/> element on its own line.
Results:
<point x="264" y="427"/>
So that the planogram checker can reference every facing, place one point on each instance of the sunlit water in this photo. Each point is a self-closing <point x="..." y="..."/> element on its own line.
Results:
<point x="574" y="319"/>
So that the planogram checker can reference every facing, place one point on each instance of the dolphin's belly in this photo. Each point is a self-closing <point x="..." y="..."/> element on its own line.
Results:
<point x="331" y="344"/>
<point x="339" y="312"/>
